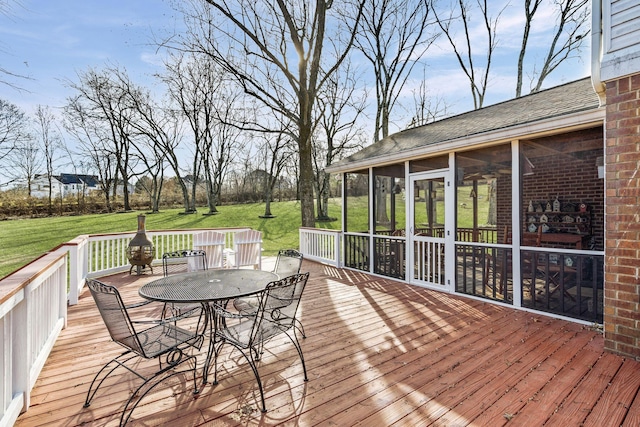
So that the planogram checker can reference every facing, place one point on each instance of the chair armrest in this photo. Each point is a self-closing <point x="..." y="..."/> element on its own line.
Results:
<point x="156" y="314"/>
<point x="138" y="304"/>
<point x="226" y="314"/>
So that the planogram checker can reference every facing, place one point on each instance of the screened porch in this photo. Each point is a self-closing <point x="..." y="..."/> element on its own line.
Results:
<point x="519" y="223"/>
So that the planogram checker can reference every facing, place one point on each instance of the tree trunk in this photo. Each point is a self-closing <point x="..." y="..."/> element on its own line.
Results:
<point x="492" y="215"/>
<point x="306" y="165"/>
<point x="125" y="193"/>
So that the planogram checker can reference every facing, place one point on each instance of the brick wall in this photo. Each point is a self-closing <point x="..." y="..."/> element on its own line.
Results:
<point x="622" y="250"/>
<point x="571" y="176"/>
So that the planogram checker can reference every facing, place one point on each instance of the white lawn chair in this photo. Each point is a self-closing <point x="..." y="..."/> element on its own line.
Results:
<point x="212" y="242"/>
<point x="247" y="249"/>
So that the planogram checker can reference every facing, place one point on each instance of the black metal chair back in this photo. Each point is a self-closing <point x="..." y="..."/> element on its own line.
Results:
<point x="115" y="316"/>
<point x="276" y="315"/>
<point x="184" y="261"/>
<point x="153" y="339"/>
<point x="288" y="262"/>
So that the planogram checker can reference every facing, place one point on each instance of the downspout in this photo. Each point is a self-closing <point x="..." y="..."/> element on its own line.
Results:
<point x="596" y="49"/>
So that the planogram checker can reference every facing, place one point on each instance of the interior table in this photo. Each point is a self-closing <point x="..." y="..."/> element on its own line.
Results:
<point x="206" y="288"/>
<point x="571" y="239"/>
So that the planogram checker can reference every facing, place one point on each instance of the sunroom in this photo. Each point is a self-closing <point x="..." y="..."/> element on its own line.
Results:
<point x="505" y="203"/>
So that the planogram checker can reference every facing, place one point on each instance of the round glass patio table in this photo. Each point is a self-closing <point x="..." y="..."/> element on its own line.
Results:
<point x="208" y="288"/>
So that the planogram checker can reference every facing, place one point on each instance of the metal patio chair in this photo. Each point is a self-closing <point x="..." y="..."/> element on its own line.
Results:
<point x="143" y="339"/>
<point x="248" y="333"/>
<point x="288" y="262"/>
<point x="183" y="261"/>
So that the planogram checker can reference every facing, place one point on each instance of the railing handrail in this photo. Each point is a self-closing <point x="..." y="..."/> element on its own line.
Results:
<point x="33" y="311"/>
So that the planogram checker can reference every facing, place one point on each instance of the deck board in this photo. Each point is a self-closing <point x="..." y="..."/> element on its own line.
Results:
<point x="378" y="352"/>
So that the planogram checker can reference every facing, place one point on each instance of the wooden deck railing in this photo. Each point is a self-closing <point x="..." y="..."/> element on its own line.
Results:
<point x="33" y="302"/>
<point x="33" y="311"/>
<point x="321" y="245"/>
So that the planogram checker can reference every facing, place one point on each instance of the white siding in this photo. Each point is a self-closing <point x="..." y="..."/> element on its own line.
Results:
<point x="621" y="38"/>
<point x="625" y="29"/>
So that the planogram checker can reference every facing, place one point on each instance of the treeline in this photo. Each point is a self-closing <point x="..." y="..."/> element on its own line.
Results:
<point x="16" y="203"/>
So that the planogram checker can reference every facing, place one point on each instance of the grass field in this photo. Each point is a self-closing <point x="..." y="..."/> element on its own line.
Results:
<point x="23" y="240"/>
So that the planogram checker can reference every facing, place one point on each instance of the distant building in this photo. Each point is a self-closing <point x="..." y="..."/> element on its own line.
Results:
<point x="63" y="185"/>
<point x="120" y="188"/>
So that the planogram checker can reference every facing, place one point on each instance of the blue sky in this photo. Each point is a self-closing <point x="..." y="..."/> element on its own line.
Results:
<point x="52" y="40"/>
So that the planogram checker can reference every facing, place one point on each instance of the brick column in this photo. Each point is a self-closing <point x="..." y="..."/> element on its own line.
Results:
<point x="622" y="233"/>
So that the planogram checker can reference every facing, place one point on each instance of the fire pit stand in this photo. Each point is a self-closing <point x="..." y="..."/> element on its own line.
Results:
<point x="140" y="251"/>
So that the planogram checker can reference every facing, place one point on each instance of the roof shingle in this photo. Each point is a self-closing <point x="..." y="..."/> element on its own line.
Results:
<point x="561" y="100"/>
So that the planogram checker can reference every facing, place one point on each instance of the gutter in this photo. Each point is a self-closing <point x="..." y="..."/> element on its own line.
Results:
<point x="596" y="50"/>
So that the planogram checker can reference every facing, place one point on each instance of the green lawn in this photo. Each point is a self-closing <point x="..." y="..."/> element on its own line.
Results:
<point x="22" y="240"/>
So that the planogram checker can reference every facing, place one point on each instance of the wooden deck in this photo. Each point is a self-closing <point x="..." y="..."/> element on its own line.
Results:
<point x="379" y="353"/>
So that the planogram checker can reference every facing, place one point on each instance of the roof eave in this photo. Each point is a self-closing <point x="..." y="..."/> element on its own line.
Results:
<point x="539" y="128"/>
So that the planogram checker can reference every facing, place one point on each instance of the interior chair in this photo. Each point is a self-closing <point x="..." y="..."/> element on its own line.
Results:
<point x="536" y="266"/>
<point x="497" y="263"/>
<point x="213" y="244"/>
<point x="247" y="249"/>
<point x="184" y="261"/>
<point x="288" y="262"/>
<point x="158" y="339"/>
<point x="530" y="259"/>
<point x="249" y="332"/>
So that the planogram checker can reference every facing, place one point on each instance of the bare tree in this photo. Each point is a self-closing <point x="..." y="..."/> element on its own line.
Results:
<point x="224" y="138"/>
<point x="338" y="133"/>
<point x="14" y="127"/>
<point x="94" y="143"/>
<point x="193" y="83"/>
<point x="155" y="134"/>
<point x="100" y="96"/>
<point x="25" y="161"/>
<point x="240" y="176"/>
<point x="49" y="139"/>
<point x="427" y="108"/>
<point x="570" y="31"/>
<point x="462" y="13"/>
<point x="393" y="36"/>
<point x="209" y="103"/>
<point x="276" y="153"/>
<point x="274" y="51"/>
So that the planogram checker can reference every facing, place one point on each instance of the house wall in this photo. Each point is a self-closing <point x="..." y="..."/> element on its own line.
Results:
<point x="621" y="50"/>
<point x="40" y="188"/>
<point x="622" y="251"/>
<point x="572" y="177"/>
